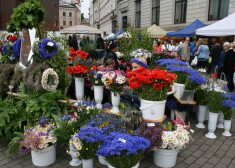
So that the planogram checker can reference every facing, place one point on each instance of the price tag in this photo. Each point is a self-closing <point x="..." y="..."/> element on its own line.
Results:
<point x="151" y="124"/>
<point x="50" y="44"/>
<point x="122" y="140"/>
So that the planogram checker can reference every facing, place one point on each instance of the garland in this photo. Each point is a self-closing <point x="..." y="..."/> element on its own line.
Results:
<point x="55" y="80"/>
<point x="16" y="48"/>
<point x="134" y="60"/>
<point x="44" y="45"/>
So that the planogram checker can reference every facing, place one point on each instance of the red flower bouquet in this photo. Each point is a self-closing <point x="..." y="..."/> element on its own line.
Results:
<point x="151" y="85"/>
<point x="74" y="55"/>
<point x="78" y="71"/>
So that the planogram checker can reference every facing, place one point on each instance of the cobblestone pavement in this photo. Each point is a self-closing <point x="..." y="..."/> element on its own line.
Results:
<point x="202" y="153"/>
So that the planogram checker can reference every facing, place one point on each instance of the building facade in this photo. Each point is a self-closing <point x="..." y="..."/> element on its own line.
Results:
<point x="51" y="13"/>
<point x="69" y="14"/>
<point x="170" y="15"/>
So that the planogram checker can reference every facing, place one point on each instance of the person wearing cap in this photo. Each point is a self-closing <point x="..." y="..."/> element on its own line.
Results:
<point x="111" y="54"/>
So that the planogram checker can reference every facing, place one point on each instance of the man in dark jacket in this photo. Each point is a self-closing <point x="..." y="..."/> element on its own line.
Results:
<point x="74" y="42"/>
<point x="100" y="46"/>
<point x="111" y="54"/>
<point x="215" y="52"/>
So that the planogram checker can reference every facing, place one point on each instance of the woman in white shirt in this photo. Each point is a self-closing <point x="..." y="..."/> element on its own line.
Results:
<point x="173" y="48"/>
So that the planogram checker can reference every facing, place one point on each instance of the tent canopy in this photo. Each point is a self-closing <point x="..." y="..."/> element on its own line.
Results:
<point x="120" y="32"/>
<point x="224" y="27"/>
<point x="124" y="35"/>
<point x="81" y="29"/>
<point x="110" y="37"/>
<point x="156" y="31"/>
<point x="188" y="31"/>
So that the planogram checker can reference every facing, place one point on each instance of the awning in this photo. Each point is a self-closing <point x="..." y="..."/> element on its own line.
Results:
<point x="81" y="29"/>
<point x="156" y="31"/>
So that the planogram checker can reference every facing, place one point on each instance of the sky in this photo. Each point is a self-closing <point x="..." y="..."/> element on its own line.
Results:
<point x="85" y="7"/>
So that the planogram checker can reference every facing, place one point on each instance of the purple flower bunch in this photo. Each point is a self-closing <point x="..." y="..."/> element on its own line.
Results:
<point x="5" y="50"/>
<point x="164" y="62"/>
<point x="43" y="121"/>
<point x="229" y="96"/>
<point x="177" y="68"/>
<point x="228" y="104"/>
<point x="91" y="135"/>
<point x="197" y="78"/>
<point x="152" y="132"/>
<point x="16" y="48"/>
<point x="123" y="144"/>
<point x="47" y="49"/>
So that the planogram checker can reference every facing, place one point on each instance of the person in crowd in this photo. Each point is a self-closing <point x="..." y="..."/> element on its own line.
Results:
<point x="228" y="67"/>
<point x="83" y="41"/>
<point x="79" y="40"/>
<point x="157" y="47"/>
<point x="166" y="46"/>
<point x="185" y="51"/>
<point x="111" y="54"/>
<point x="215" y="53"/>
<point x="92" y="55"/>
<point x="173" y="48"/>
<point x="70" y="42"/>
<point x="192" y="50"/>
<point x="138" y="63"/>
<point x="110" y="64"/>
<point x="74" y="42"/>
<point x="220" y="61"/>
<point x="203" y="53"/>
<point x="100" y="46"/>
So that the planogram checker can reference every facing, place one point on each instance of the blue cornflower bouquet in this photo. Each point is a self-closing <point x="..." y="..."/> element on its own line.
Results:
<point x="228" y="105"/>
<point x="91" y="138"/>
<point x="123" y="150"/>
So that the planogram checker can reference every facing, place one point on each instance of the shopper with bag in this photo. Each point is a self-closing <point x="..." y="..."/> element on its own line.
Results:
<point x="229" y="66"/>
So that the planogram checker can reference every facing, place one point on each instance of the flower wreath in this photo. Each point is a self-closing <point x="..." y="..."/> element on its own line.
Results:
<point x="44" y="45"/>
<point x="16" y="48"/>
<point x="140" y="53"/>
<point x="46" y="84"/>
<point x="134" y="60"/>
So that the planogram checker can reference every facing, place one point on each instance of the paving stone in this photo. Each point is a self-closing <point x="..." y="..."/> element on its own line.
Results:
<point x="214" y="148"/>
<point x="226" y="160"/>
<point x="224" y="147"/>
<point x="182" y="165"/>
<point x="152" y="166"/>
<point x="193" y="147"/>
<point x="208" y="165"/>
<point x="186" y="153"/>
<point x="220" y="165"/>
<point x="210" y="142"/>
<point x="204" y="147"/>
<point x="4" y="166"/>
<point x="145" y="163"/>
<point x="220" y="153"/>
<point x="194" y="165"/>
<point x="201" y="161"/>
<point x="214" y="160"/>
<point x="190" y="160"/>
<point x="208" y="154"/>
<point x="198" y="153"/>
<point x="228" y="142"/>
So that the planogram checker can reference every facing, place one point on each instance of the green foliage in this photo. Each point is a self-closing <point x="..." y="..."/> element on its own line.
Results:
<point x="200" y="97"/>
<point x="214" y="101"/>
<point x="128" y="45"/>
<point x="168" y="126"/>
<point x="228" y="113"/>
<point x="88" y="46"/>
<point x="14" y="145"/>
<point x="27" y="15"/>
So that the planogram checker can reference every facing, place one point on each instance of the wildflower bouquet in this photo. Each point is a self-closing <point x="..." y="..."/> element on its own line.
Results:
<point x="96" y="74"/>
<point x="114" y="79"/>
<point x="38" y="138"/>
<point x="175" y="135"/>
<point x="151" y="85"/>
<point x="152" y="132"/>
<point x="91" y="138"/>
<point x="123" y="150"/>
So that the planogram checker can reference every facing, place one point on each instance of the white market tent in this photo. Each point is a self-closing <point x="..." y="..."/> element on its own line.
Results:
<point x="156" y="31"/>
<point x="124" y="35"/>
<point x="110" y="37"/>
<point x="224" y="27"/>
<point x="81" y="29"/>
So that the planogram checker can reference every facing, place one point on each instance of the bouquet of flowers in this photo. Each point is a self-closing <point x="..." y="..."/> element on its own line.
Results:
<point x="38" y="138"/>
<point x="74" y="55"/>
<point x="140" y="53"/>
<point x="78" y="71"/>
<point x="152" y="132"/>
<point x="96" y="74"/>
<point x="175" y="135"/>
<point x="88" y="140"/>
<point x="228" y="105"/>
<point x="151" y="85"/>
<point x="123" y="150"/>
<point x="165" y="62"/>
<point x="114" y="80"/>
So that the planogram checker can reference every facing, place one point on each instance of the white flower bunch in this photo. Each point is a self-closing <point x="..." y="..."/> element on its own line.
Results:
<point x="119" y="54"/>
<point x="49" y="87"/>
<point x="141" y="53"/>
<point x="76" y="145"/>
<point x="175" y="139"/>
<point x="202" y="70"/>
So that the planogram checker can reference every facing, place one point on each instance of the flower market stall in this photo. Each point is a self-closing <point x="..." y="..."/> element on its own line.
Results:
<point x="93" y="109"/>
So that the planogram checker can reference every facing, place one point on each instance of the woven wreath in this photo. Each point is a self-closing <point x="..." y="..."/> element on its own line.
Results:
<point x="47" y="48"/>
<point x="50" y="80"/>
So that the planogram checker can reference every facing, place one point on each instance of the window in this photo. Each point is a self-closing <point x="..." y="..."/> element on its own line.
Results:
<point x="180" y="11"/>
<point x="218" y="9"/>
<point x="124" y="22"/>
<point x="64" y="23"/>
<point x="64" y="13"/>
<point x="70" y="23"/>
<point x="70" y="14"/>
<point x="155" y="12"/>
<point x="137" y="13"/>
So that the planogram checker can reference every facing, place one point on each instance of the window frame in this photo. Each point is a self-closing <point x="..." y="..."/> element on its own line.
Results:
<point x="139" y="13"/>
<point x="218" y="13"/>
<point x="71" y="14"/>
<point x="156" y="7"/>
<point x="181" y="1"/>
<point x="64" y="14"/>
<point x="64" y="22"/>
<point x="70" y="23"/>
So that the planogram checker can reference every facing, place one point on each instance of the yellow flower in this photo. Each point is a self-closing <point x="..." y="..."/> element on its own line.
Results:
<point x="86" y="148"/>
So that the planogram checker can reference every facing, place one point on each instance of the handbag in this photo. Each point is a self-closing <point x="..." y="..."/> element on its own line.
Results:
<point x="222" y="82"/>
<point x="194" y="61"/>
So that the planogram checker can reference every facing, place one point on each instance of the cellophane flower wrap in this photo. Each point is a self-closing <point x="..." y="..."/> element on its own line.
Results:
<point x="175" y="135"/>
<point x="123" y="150"/>
<point x="39" y="137"/>
<point x="96" y="74"/>
<point x="228" y="105"/>
<point x="115" y="80"/>
<point x="91" y="138"/>
<point x="152" y="132"/>
<point x="151" y="85"/>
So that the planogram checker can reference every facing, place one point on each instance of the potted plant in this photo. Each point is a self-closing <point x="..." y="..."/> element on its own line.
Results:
<point x="123" y="150"/>
<point x="152" y="87"/>
<point x="115" y="80"/>
<point x="40" y="140"/>
<point x="79" y="70"/>
<point x="227" y="109"/>
<point x="90" y="138"/>
<point x="174" y="137"/>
